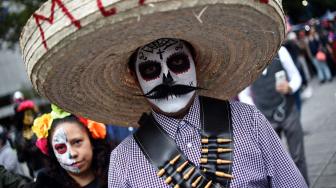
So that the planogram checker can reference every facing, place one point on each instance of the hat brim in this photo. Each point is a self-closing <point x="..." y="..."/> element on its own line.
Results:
<point x="84" y="71"/>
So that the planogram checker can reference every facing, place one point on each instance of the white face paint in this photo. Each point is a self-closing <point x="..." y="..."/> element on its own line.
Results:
<point x="62" y="151"/>
<point x="168" y="62"/>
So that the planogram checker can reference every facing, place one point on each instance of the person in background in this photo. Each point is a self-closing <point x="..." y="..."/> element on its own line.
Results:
<point x="25" y="140"/>
<point x="11" y="180"/>
<point x="76" y="150"/>
<point x="306" y="62"/>
<point x="272" y="93"/>
<point x="8" y="156"/>
<point x="298" y="49"/>
<point x="293" y="48"/>
<point x="326" y="36"/>
<point x="314" y="52"/>
<point x="18" y="97"/>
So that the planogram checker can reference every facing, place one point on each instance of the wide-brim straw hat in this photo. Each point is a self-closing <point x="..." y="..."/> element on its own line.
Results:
<point x="76" y="51"/>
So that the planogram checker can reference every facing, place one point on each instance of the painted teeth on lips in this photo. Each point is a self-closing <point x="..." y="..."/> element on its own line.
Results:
<point x="170" y="97"/>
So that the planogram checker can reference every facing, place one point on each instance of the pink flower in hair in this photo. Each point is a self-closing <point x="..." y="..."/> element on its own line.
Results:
<point x="42" y="144"/>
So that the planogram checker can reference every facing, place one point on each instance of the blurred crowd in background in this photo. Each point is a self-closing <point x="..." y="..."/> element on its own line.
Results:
<point x="312" y="47"/>
<point x="313" y="50"/>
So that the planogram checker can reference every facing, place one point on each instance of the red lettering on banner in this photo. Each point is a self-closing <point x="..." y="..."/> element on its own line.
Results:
<point x="141" y="2"/>
<point x="105" y="12"/>
<point x="264" y="1"/>
<point x="50" y="19"/>
<point x="38" y="18"/>
<point x="111" y="11"/>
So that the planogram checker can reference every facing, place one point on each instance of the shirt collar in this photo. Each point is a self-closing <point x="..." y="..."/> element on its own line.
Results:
<point x="170" y="125"/>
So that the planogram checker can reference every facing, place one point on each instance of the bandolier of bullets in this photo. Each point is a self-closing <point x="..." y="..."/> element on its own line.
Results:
<point x="216" y="159"/>
<point x="180" y="173"/>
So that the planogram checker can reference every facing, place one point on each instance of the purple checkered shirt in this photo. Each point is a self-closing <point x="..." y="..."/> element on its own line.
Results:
<point x="259" y="160"/>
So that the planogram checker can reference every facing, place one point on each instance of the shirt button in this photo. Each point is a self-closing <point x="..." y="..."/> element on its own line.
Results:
<point x="182" y="122"/>
<point x="189" y="145"/>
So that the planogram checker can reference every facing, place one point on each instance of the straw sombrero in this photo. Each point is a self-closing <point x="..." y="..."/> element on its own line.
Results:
<point x="76" y="51"/>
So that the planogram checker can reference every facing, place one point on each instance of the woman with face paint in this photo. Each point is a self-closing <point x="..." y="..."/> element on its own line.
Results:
<point x="76" y="148"/>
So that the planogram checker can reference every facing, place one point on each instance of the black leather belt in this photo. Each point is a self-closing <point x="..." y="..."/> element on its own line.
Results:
<point x="217" y="148"/>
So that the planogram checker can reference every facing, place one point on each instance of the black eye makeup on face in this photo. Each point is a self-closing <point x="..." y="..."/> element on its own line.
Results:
<point x="178" y="63"/>
<point x="150" y="70"/>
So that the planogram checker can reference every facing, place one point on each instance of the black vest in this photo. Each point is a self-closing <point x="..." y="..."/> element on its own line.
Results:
<point x="272" y="104"/>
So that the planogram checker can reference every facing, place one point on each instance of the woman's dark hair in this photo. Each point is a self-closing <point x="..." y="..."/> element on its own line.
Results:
<point x="133" y="57"/>
<point x="100" y="159"/>
<point x="19" y="116"/>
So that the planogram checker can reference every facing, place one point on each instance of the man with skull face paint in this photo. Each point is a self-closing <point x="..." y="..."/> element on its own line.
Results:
<point x="166" y="74"/>
<point x="165" y="70"/>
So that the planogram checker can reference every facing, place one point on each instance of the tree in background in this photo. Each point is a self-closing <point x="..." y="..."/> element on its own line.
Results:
<point x="13" y="15"/>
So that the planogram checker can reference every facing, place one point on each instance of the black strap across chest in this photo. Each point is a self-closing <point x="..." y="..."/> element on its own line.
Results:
<point x="172" y="164"/>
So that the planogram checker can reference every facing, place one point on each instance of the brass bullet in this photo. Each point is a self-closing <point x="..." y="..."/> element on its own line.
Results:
<point x="217" y="161"/>
<point x="219" y="173"/>
<point x="205" y="140"/>
<point x="177" y="186"/>
<point x="223" y="174"/>
<point x="168" y="180"/>
<point x="221" y="161"/>
<point x="161" y="172"/>
<point x="181" y="167"/>
<point x="218" y="150"/>
<point x="222" y="150"/>
<point x="195" y="183"/>
<point x="188" y="174"/>
<point x="223" y="140"/>
<point x="204" y="160"/>
<point x="208" y="184"/>
<point x="205" y="150"/>
<point x="219" y="140"/>
<point x="173" y="161"/>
